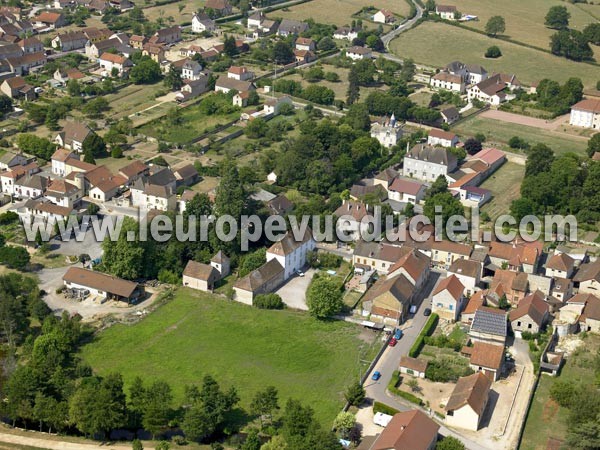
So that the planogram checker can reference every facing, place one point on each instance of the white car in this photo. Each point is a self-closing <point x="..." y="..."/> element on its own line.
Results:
<point x="299" y="273"/>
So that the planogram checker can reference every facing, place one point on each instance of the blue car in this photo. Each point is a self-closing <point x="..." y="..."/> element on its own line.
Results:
<point x="398" y="334"/>
<point x="376" y="375"/>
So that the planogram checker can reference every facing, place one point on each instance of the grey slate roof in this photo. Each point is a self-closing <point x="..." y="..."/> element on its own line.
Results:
<point x="490" y="321"/>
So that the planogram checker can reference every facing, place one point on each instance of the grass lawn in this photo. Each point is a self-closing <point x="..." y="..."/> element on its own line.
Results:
<point x="524" y="20"/>
<point x="338" y="12"/>
<point x="133" y="98"/>
<point x="198" y="333"/>
<point x="498" y="134"/>
<point x="435" y="44"/>
<point x="505" y="185"/>
<point x="546" y="418"/>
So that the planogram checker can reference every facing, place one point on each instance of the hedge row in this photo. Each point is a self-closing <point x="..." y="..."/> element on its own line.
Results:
<point x="385" y="409"/>
<point x="426" y="331"/>
<point x="392" y="387"/>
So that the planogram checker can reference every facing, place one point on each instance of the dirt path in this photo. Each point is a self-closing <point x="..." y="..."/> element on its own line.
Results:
<point x="50" y="444"/>
<point x="518" y="119"/>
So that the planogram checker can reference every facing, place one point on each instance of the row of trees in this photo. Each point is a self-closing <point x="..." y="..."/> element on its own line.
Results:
<point x="570" y="43"/>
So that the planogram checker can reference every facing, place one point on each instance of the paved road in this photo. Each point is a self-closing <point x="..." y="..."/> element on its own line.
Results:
<point x="391" y="358"/>
<point x="387" y="38"/>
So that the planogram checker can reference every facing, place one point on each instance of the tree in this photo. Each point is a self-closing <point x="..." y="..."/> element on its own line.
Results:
<point x="73" y="88"/>
<point x="5" y="104"/>
<point x="344" y="422"/>
<point x="94" y="145"/>
<point x="146" y="71"/>
<point x="136" y="444"/>
<point x="450" y="206"/>
<point x="277" y="442"/>
<point x="472" y="146"/>
<point x="14" y="257"/>
<point x="493" y="52"/>
<point x="282" y="53"/>
<point x="324" y="297"/>
<point x="157" y="406"/>
<point x="584" y="436"/>
<point x="229" y="46"/>
<point x="355" y="394"/>
<point x="571" y="44"/>
<point x="593" y="145"/>
<point x="252" y="441"/>
<point x="122" y="258"/>
<point x="558" y="17"/>
<point x="353" y="87"/>
<point x="539" y="159"/>
<point x="592" y="33"/>
<point x="326" y="44"/>
<point x="256" y="128"/>
<point x="265" y="402"/>
<point x="450" y="443"/>
<point x="173" y="79"/>
<point x="495" y="26"/>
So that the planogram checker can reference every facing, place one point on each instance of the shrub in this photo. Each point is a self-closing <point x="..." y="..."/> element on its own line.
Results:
<point x="410" y="397"/>
<point x="493" y="52"/>
<point x="8" y="217"/>
<point x="168" y="276"/>
<point x="385" y="409"/>
<point x="442" y="370"/>
<point x="355" y="394"/>
<point x="563" y="393"/>
<point x="426" y="331"/>
<point x="392" y="387"/>
<point x="268" y="301"/>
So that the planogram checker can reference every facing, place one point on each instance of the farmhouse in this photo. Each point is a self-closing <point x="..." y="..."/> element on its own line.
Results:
<point x="406" y="191"/>
<point x="487" y="359"/>
<point x="389" y="299"/>
<point x="288" y="27"/>
<point x="587" y="278"/>
<point x="50" y="20"/>
<point x="408" y="430"/>
<point x="273" y="105"/>
<point x="442" y="138"/>
<point x="384" y="16"/>
<point x="110" y="61"/>
<point x="201" y="23"/>
<point x="589" y="319"/>
<point x="73" y="135"/>
<point x="560" y="265"/>
<point x="357" y="53"/>
<point x="17" y="87"/>
<point x="468" y="401"/>
<point x="531" y="315"/>
<point x="225" y="84"/>
<point x="586" y="114"/>
<point x="200" y="276"/>
<point x="102" y="285"/>
<point x="370" y="255"/>
<point x="489" y="324"/>
<point x="413" y="366"/>
<point x="63" y="193"/>
<point x="494" y="90"/>
<point x="46" y="210"/>
<point x="450" y="115"/>
<point x="468" y="272"/>
<point x="414" y="265"/>
<point x="263" y="280"/>
<point x="354" y="217"/>
<point x="346" y="33"/>
<point x="514" y="284"/>
<point x="448" y="81"/>
<point x="427" y="163"/>
<point x="446" y="12"/>
<point x="448" y="298"/>
<point x="307" y="44"/>
<point x="9" y="160"/>
<point x="223" y="7"/>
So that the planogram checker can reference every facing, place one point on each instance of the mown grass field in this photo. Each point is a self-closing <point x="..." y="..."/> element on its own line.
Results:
<point x="498" y="134"/>
<point x="525" y="19"/>
<point x="546" y="418"/>
<point x="505" y="185"/>
<point x="436" y="44"/>
<point x="198" y="333"/>
<point x="338" y="12"/>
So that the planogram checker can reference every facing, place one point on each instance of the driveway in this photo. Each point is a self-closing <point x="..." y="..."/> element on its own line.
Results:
<point x="293" y="293"/>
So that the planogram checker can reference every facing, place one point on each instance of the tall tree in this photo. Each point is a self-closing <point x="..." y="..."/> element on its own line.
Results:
<point x="495" y="26"/>
<point x="558" y="17"/>
<point x="324" y="297"/>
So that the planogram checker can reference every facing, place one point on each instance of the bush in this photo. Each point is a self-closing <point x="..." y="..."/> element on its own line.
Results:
<point x="355" y="394"/>
<point x="168" y="276"/>
<point x="392" y="387"/>
<point x="426" y="331"/>
<point x="563" y="393"/>
<point x="385" y="409"/>
<point x="410" y="397"/>
<point x="442" y="370"/>
<point x="116" y="152"/>
<point x="268" y="301"/>
<point x="493" y="52"/>
<point x="8" y="217"/>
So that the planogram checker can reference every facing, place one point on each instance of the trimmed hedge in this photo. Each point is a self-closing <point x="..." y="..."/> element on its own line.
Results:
<point x="385" y="409"/>
<point x="405" y="395"/>
<point x="426" y="331"/>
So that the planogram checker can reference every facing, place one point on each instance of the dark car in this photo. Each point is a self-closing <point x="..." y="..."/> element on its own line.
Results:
<point x="427" y="312"/>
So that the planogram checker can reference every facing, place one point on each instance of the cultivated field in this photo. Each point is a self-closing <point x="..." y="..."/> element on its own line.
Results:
<point x="173" y="10"/>
<point x="546" y="419"/>
<point x="437" y="44"/>
<point x="198" y="333"/>
<point x="524" y="19"/>
<point x="499" y="133"/>
<point x="505" y="185"/>
<point x="338" y="12"/>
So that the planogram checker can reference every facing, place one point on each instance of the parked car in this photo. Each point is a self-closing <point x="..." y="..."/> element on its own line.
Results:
<point x="376" y="375"/>
<point x="299" y="273"/>
<point x="413" y="309"/>
<point x="427" y="312"/>
<point x="393" y="342"/>
<point x="398" y="334"/>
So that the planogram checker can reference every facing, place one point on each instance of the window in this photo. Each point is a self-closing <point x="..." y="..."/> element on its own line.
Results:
<point x="529" y="326"/>
<point x="519" y="323"/>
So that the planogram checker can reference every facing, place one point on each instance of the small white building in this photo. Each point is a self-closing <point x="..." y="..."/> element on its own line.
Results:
<point x="446" y="12"/>
<point x="427" y="163"/>
<point x="201" y="22"/>
<point x="200" y="276"/>
<point x="586" y="114"/>
<point x="384" y="16"/>
<point x="448" y="299"/>
<point x="273" y="105"/>
<point x="98" y="284"/>
<point x="413" y="366"/>
<point x="442" y="138"/>
<point x="356" y="53"/>
<point x="468" y="401"/>
<point x="388" y="131"/>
